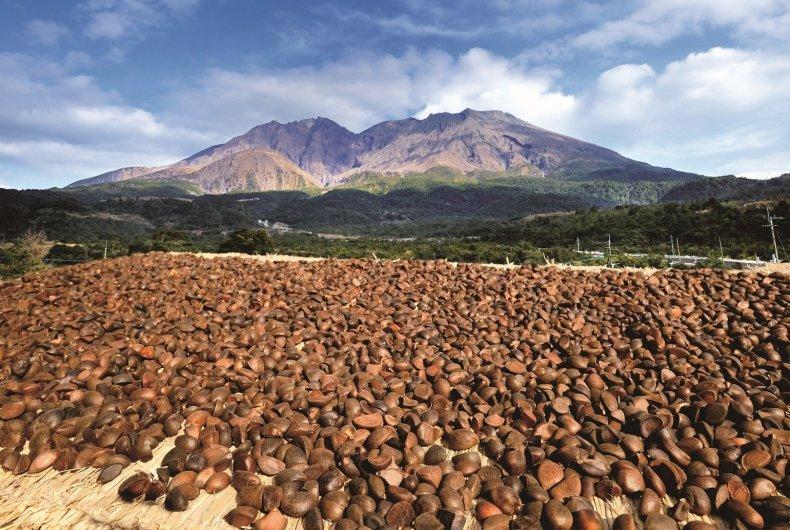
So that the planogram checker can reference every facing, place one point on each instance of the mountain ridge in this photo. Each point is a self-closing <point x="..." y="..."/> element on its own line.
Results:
<point x="330" y="154"/>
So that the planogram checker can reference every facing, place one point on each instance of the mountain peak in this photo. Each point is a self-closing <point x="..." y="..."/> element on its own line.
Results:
<point x="472" y="140"/>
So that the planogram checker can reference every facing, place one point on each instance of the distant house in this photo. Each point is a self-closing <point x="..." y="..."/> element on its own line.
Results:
<point x="277" y="226"/>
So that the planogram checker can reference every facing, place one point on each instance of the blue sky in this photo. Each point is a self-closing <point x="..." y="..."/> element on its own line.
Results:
<point x="89" y="86"/>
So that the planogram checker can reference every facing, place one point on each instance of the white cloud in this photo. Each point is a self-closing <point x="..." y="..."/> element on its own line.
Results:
<point x="114" y="20"/>
<point x="720" y="111"/>
<point x="712" y="110"/>
<point x="364" y="89"/>
<point x="46" y="32"/>
<point x="66" y="126"/>
<point x="656" y="22"/>
<point x="481" y="80"/>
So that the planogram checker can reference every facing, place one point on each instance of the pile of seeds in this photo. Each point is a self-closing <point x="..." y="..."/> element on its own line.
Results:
<point x="352" y="392"/>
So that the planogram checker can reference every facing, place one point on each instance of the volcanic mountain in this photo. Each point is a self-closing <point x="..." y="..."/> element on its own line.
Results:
<point x="319" y="153"/>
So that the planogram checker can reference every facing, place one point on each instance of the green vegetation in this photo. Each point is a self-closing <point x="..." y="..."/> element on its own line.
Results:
<point x="137" y="188"/>
<point x="531" y="220"/>
<point x="24" y="255"/>
<point x="248" y="242"/>
<point x="697" y="226"/>
<point x="166" y="240"/>
<point x="730" y="188"/>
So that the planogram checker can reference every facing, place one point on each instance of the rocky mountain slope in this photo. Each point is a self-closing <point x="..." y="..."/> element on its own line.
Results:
<point x="320" y="152"/>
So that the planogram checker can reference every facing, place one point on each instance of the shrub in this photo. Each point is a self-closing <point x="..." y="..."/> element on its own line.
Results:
<point x="247" y="241"/>
<point x="16" y="260"/>
<point x="164" y="240"/>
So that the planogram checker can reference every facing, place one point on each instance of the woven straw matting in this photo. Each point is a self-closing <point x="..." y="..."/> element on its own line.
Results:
<point x="73" y="499"/>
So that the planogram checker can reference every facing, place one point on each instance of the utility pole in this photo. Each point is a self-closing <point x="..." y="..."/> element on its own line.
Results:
<point x="771" y="225"/>
<point x="105" y="250"/>
<point x="677" y="245"/>
<point x="721" y="249"/>
<point x="671" y="245"/>
<point x="609" y="250"/>
<point x="578" y="247"/>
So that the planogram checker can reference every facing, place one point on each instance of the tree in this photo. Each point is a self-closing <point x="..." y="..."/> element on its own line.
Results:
<point x="24" y="255"/>
<point x="247" y="241"/>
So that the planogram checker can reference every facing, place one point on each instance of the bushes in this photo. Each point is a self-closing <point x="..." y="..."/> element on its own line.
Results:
<point x="165" y="240"/>
<point x="16" y="261"/>
<point x="247" y="241"/>
<point x="24" y="255"/>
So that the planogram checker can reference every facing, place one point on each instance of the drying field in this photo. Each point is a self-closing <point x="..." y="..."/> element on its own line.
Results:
<point x="161" y="391"/>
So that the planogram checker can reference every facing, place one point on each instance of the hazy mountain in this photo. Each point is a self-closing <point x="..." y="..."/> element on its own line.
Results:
<point x="328" y="154"/>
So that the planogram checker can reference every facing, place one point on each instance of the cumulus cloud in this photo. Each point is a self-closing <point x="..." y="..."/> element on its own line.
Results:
<point x="364" y="89"/>
<point x="709" y="110"/>
<point x="46" y="32"/>
<point x="65" y="125"/>
<point x="720" y="111"/>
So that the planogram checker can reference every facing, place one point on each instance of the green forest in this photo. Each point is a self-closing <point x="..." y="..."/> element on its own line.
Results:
<point x="539" y="239"/>
<point x="535" y="221"/>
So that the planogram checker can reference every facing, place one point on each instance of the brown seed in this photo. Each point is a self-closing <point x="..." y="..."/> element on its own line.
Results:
<point x="252" y="495"/>
<point x="312" y="520"/>
<point x="624" y="521"/>
<point x="715" y="413"/>
<point x="185" y="477"/>
<point x="43" y="461"/>
<point x="505" y="499"/>
<point x="698" y="525"/>
<point x="549" y="474"/>
<point x="217" y="482"/>
<point x="755" y="458"/>
<point x="497" y="522"/>
<point x="586" y="520"/>
<point x="297" y="504"/>
<point x="630" y="480"/>
<point x="271" y="497"/>
<point x="485" y="509"/>
<point x="331" y="510"/>
<point x="155" y="489"/>
<point x="427" y="521"/>
<point x="745" y="513"/>
<point x="176" y="501"/>
<point x="461" y="439"/>
<point x="651" y="503"/>
<point x="134" y="487"/>
<point x="525" y="522"/>
<point x="270" y="466"/>
<point x="659" y="521"/>
<point x="699" y="502"/>
<point x="452" y="519"/>
<point x="189" y="491"/>
<point x="12" y="410"/>
<point x="401" y="514"/>
<point x="110" y="473"/>
<point x="369" y="421"/>
<point x="570" y="486"/>
<point x="241" y="516"/>
<point x="274" y="520"/>
<point x="738" y="490"/>
<point x="761" y="488"/>
<point x="556" y="516"/>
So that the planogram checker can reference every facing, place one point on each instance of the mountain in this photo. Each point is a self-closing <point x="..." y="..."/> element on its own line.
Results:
<point x="318" y="152"/>
<point x="250" y="170"/>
